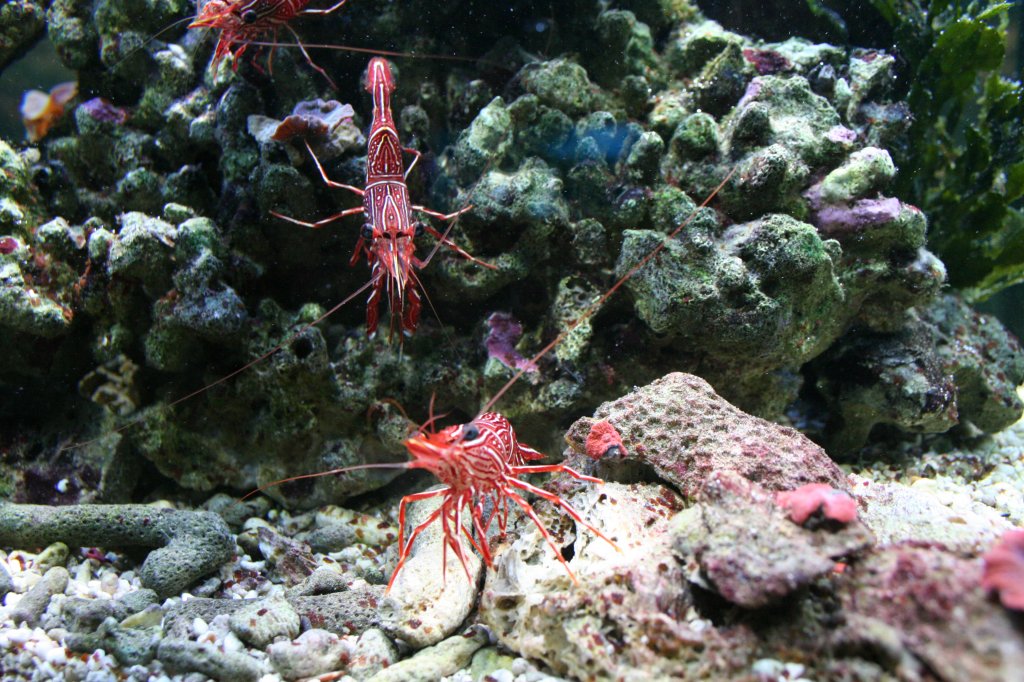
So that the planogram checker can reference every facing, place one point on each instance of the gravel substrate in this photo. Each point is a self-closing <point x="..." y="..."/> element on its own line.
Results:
<point x="989" y="471"/>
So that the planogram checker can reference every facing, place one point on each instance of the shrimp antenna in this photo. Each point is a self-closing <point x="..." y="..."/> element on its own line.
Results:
<point x="341" y="470"/>
<point x="431" y="417"/>
<point x="380" y="53"/>
<point x="288" y="339"/>
<point x="437" y="245"/>
<point x="606" y="295"/>
<point x="150" y="39"/>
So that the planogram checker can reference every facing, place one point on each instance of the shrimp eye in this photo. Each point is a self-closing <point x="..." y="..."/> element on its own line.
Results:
<point x="249" y="16"/>
<point x="367" y="231"/>
<point x="420" y="227"/>
<point x="470" y="432"/>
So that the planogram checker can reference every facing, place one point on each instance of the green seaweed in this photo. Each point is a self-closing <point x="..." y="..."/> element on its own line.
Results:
<point x="965" y="152"/>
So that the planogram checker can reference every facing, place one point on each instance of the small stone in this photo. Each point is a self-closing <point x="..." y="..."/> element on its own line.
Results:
<point x="487" y="661"/>
<point x="434" y="662"/>
<point x="427" y="602"/>
<point x="54" y="555"/>
<point x="139" y="599"/>
<point x="260" y="623"/>
<point x="312" y="653"/>
<point x="85" y="615"/>
<point x="149" y="617"/>
<point x="6" y="581"/>
<point x="182" y="656"/>
<point x="324" y="580"/>
<point x="32" y="606"/>
<point x="373" y="652"/>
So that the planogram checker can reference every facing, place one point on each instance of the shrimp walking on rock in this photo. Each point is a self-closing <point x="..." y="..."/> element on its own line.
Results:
<point x="388" y="233"/>
<point x="241" y="22"/>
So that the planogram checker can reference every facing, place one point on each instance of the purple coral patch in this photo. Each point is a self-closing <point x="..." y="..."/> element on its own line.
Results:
<point x="102" y="110"/>
<point x="505" y="332"/>
<point x="862" y="214"/>
<point x="841" y="134"/>
<point x="767" y="61"/>
<point x="313" y="119"/>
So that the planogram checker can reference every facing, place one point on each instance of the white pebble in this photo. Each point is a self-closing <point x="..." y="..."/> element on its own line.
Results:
<point x="199" y="626"/>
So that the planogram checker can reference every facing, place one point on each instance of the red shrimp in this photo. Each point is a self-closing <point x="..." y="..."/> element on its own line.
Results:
<point x="386" y="238"/>
<point x="243" y="21"/>
<point x="480" y="462"/>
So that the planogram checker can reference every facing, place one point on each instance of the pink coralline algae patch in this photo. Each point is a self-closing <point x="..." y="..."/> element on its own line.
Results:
<point x="603" y="440"/>
<point x="1004" y="569"/>
<point x="505" y="332"/>
<point x="801" y="503"/>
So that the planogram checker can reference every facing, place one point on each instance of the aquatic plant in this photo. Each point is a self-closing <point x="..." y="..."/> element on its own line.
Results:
<point x="964" y="157"/>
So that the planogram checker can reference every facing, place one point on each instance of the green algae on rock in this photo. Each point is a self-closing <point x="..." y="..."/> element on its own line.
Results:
<point x="21" y="24"/>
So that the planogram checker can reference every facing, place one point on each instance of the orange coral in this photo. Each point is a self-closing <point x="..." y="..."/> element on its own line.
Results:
<point x="40" y="111"/>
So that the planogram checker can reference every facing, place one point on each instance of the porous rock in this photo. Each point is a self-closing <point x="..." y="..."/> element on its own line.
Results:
<point x="187" y="545"/>
<point x="922" y="608"/>
<point x="984" y="358"/>
<point x="679" y="427"/>
<point x="738" y="542"/>
<point x="558" y="83"/>
<point x="871" y="378"/>
<point x="261" y="622"/>
<point x="22" y="22"/>
<point x="752" y="301"/>
<point x="944" y="365"/>
<point x="627" y="617"/>
<point x="485" y="142"/>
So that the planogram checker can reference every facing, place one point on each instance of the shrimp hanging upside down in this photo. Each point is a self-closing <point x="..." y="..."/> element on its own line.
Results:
<point x="390" y="227"/>
<point x="242" y="21"/>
